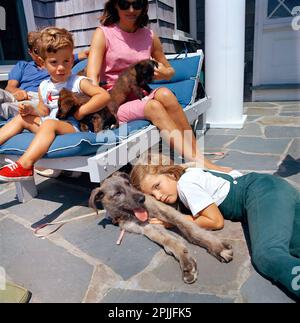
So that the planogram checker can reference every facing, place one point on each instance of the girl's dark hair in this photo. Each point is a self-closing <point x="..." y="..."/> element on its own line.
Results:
<point x="110" y="14"/>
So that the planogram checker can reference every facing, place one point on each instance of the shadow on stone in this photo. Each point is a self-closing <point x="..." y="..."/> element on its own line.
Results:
<point x="63" y="197"/>
<point x="9" y="204"/>
<point x="289" y="166"/>
<point x="104" y="222"/>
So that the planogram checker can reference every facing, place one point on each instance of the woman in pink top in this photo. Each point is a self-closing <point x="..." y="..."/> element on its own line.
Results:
<point x="123" y="39"/>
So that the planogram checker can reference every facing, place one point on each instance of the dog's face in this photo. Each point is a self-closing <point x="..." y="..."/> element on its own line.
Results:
<point x="69" y="102"/>
<point x="145" y="71"/>
<point x="120" y="199"/>
<point x="66" y="101"/>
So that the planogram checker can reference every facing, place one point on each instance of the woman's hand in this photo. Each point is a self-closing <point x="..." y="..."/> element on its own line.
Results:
<point x="162" y="72"/>
<point x="159" y="71"/>
<point x="25" y="109"/>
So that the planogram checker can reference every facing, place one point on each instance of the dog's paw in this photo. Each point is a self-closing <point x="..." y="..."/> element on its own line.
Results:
<point x="222" y="251"/>
<point x="189" y="270"/>
<point x="226" y="253"/>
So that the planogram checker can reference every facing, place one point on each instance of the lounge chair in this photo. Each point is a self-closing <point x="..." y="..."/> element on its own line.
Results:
<point x="104" y="153"/>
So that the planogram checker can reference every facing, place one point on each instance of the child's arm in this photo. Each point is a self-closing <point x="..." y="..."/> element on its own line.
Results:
<point x="99" y="99"/>
<point x="83" y="55"/>
<point x="13" y="88"/>
<point x="210" y="218"/>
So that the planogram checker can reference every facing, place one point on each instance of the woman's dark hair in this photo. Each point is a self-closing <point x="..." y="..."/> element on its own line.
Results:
<point x="110" y="14"/>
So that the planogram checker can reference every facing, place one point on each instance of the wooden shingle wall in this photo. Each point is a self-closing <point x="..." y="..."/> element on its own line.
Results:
<point x="81" y="18"/>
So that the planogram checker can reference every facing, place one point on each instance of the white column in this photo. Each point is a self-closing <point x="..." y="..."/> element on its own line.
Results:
<point x="28" y="10"/>
<point x="224" y="62"/>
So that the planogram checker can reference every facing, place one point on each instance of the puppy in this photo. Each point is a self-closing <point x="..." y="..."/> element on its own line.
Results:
<point x="69" y="102"/>
<point x="133" y="81"/>
<point x="131" y="209"/>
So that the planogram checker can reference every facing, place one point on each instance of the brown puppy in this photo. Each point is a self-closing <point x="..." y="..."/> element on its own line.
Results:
<point x="133" y="81"/>
<point x="132" y="209"/>
<point x="69" y="102"/>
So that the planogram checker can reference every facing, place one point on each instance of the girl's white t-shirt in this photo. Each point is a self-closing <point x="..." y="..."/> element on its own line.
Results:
<point x="198" y="189"/>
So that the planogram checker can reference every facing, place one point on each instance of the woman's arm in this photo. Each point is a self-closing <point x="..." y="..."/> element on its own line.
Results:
<point x="96" y="55"/>
<point x="164" y="71"/>
<point x="99" y="99"/>
<point x="210" y="218"/>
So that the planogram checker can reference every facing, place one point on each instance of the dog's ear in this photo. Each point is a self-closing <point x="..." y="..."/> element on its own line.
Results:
<point x="96" y="195"/>
<point x="70" y="97"/>
<point x="65" y="98"/>
<point x="64" y="93"/>
<point x="122" y="174"/>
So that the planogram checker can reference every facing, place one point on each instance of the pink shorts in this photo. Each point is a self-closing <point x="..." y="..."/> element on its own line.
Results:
<point x="135" y="109"/>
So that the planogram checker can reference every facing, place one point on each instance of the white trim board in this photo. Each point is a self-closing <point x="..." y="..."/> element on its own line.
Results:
<point x="4" y="71"/>
<point x="29" y="15"/>
<point x="238" y="124"/>
<point x="276" y="95"/>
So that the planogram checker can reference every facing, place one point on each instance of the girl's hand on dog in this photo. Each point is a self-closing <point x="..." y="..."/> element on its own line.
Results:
<point x="157" y="221"/>
<point x="25" y="109"/>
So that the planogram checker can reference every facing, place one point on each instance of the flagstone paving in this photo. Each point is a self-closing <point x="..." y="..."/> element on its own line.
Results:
<point x="82" y="263"/>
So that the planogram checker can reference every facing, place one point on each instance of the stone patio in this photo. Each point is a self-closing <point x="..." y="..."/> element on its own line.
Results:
<point x="82" y="263"/>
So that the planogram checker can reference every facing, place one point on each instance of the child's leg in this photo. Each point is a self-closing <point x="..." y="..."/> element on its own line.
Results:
<point x="270" y="212"/>
<point x="43" y="140"/>
<point x="17" y="125"/>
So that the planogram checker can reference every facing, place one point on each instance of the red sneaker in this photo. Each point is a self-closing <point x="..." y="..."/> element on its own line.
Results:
<point x="15" y="172"/>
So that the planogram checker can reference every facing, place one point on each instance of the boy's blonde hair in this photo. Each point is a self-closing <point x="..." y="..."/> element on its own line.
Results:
<point x="155" y="164"/>
<point x="52" y="39"/>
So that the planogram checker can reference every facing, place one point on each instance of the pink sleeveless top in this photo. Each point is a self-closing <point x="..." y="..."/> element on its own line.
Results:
<point x="122" y="50"/>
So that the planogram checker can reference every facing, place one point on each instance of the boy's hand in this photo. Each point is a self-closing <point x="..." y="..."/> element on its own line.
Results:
<point x="21" y="95"/>
<point x="25" y="109"/>
<point x="84" y="54"/>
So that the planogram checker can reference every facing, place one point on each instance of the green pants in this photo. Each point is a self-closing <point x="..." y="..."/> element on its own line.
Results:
<point x="271" y="207"/>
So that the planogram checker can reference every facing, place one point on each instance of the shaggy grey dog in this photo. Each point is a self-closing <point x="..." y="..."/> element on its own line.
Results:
<point x="131" y="209"/>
